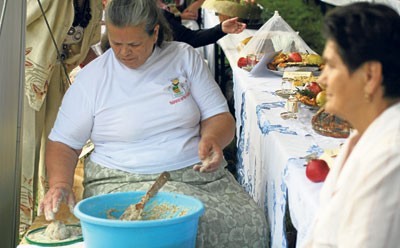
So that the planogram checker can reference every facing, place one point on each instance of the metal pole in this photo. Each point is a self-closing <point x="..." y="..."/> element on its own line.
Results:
<point x="12" y="47"/>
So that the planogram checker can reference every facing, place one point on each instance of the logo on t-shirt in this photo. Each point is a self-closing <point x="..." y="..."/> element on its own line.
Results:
<point x="178" y="89"/>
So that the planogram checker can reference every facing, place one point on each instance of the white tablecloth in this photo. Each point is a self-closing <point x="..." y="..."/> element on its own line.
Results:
<point x="269" y="148"/>
<point x="303" y="198"/>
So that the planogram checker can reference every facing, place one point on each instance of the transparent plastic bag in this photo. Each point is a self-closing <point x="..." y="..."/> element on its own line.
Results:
<point x="275" y="35"/>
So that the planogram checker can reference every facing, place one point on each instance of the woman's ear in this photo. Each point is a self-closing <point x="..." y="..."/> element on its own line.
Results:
<point x="374" y="77"/>
<point x="155" y="33"/>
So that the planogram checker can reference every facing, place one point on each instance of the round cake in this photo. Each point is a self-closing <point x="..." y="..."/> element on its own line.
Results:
<point x="330" y="125"/>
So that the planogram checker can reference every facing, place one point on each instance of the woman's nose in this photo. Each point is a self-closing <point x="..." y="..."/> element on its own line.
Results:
<point x="124" y="50"/>
<point x="321" y="80"/>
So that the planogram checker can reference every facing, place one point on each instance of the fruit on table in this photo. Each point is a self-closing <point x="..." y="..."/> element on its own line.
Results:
<point x="314" y="88"/>
<point x="305" y="97"/>
<point x="314" y="59"/>
<point x="297" y="59"/>
<point x="317" y="170"/>
<point x="320" y="99"/>
<point x="294" y="57"/>
<point x="242" y="62"/>
<point x="280" y="58"/>
<point x="308" y="94"/>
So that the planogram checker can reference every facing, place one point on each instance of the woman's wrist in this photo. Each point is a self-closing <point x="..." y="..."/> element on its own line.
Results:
<point x="64" y="185"/>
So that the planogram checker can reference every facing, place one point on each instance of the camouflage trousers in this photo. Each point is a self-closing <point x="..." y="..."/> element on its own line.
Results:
<point x="231" y="218"/>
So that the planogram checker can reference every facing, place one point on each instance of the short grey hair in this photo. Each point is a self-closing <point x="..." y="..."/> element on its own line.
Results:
<point x="132" y="13"/>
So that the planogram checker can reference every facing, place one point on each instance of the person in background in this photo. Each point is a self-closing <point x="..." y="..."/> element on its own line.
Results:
<point x="186" y="10"/>
<point x="196" y="38"/>
<point x="200" y="37"/>
<point x="145" y="115"/>
<point x="360" y="199"/>
<point x="75" y="27"/>
<point x="104" y="3"/>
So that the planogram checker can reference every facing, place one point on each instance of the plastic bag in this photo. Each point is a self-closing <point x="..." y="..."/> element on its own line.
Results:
<point x="275" y="35"/>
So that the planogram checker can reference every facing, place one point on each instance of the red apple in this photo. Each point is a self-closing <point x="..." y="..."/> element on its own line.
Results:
<point x="314" y="88"/>
<point x="317" y="170"/>
<point x="294" y="57"/>
<point x="242" y="62"/>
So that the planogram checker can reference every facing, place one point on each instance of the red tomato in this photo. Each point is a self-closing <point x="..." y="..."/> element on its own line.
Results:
<point x="242" y="62"/>
<point x="317" y="170"/>
<point x="314" y="88"/>
<point x="295" y="57"/>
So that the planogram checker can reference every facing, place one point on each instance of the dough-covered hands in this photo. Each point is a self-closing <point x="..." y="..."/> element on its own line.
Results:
<point x="216" y="133"/>
<point x="51" y="203"/>
<point x="210" y="154"/>
<point x="233" y="26"/>
<point x="61" y="161"/>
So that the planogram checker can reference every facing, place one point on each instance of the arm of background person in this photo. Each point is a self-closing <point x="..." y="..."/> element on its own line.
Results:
<point x="198" y="38"/>
<point x="191" y="12"/>
<point x="202" y="37"/>
<point x="216" y="133"/>
<point x="195" y="6"/>
<point x="195" y="38"/>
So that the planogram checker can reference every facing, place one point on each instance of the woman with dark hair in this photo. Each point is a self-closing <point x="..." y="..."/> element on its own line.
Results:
<point x="148" y="106"/>
<point x="360" y="199"/>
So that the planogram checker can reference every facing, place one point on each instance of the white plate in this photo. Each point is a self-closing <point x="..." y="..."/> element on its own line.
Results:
<point x="301" y="68"/>
<point x="38" y="237"/>
<point x="279" y="73"/>
<point x="313" y="69"/>
<point x="285" y="93"/>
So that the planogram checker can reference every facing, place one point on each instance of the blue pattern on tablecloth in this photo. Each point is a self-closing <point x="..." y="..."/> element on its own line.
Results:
<point x="240" y="142"/>
<point x="266" y="126"/>
<point x="283" y="205"/>
<point x="246" y="183"/>
<point x="275" y="200"/>
<point x="273" y="209"/>
<point x="315" y="149"/>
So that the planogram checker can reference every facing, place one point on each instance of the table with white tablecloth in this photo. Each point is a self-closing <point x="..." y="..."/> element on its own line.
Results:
<point x="270" y="167"/>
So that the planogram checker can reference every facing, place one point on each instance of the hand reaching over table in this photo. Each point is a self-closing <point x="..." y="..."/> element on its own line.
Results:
<point x="233" y="26"/>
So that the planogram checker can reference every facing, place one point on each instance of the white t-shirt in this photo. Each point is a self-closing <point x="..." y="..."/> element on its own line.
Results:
<point x="144" y="120"/>
<point x="360" y="199"/>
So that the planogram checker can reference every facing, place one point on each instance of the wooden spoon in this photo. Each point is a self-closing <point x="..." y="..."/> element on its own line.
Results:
<point x="134" y="211"/>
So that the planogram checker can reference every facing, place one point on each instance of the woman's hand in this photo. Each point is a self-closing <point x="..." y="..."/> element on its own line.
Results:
<point x="233" y="26"/>
<point x="188" y="14"/>
<point x="60" y="192"/>
<point x="60" y="164"/>
<point x="210" y="154"/>
<point x="216" y="133"/>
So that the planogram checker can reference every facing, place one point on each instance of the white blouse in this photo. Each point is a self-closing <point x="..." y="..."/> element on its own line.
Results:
<point x="360" y="200"/>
